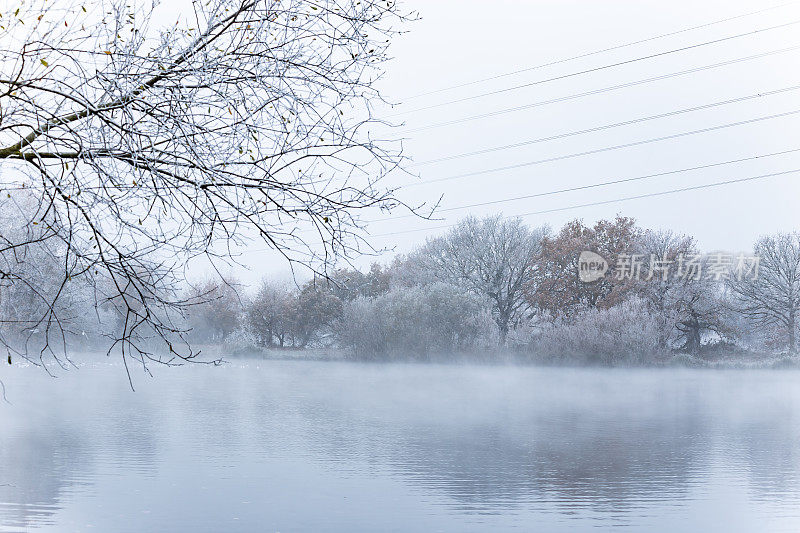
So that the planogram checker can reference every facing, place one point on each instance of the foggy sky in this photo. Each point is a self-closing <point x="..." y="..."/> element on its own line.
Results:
<point x="456" y="42"/>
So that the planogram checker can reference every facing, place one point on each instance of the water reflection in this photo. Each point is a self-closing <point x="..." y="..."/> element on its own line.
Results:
<point x="296" y="445"/>
<point x="36" y="467"/>
<point x="503" y="447"/>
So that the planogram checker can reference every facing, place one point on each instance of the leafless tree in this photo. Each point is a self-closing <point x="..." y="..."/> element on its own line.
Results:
<point x="687" y="305"/>
<point x="269" y="313"/>
<point x="219" y="309"/>
<point x="148" y="143"/>
<point x="493" y="257"/>
<point x="699" y="309"/>
<point x="661" y="287"/>
<point x="771" y="297"/>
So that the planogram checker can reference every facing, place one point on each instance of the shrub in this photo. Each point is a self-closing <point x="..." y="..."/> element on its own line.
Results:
<point x="412" y="322"/>
<point x="625" y="333"/>
<point x="240" y="343"/>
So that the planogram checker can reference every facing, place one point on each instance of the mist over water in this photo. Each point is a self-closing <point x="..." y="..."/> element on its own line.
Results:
<point x="329" y="446"/>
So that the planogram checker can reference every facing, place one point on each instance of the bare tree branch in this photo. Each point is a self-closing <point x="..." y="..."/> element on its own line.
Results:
<point x="145" y="146"/>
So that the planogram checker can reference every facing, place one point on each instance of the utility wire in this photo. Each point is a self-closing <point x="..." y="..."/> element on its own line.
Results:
<point x="616" y="200"/>
<point x="593" y="185"/>
<point x="596" y="52"/>
<point x="601" y="184"/>
<point x="625" y="199"/>
<point x="596" y="69"/>
<point x="602" y="90"/>
<point x="606" y="148"/>
<point x="606" y="126"/>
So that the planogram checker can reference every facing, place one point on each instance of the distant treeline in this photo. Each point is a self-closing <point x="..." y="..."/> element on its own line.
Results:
<point x="487" y="286"/>
<point x="496" y="282"/>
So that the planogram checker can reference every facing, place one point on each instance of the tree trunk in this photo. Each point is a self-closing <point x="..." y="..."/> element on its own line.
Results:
<point x="503" y="330"/>
<point x="692" y="331"/>
<point x="695" y="347"/>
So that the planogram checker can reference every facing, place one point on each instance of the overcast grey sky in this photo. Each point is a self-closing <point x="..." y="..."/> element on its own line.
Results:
<point x="458" y="42"/>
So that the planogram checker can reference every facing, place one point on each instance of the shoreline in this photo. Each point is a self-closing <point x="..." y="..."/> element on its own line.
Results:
<point x="724" y="361"/>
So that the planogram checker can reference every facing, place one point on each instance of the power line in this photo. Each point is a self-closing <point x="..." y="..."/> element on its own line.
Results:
<point x="581" y="132"/>
<point x="607" y="126"/>
<point x="594" y="185"/>
<point x="595" y="69"/>
<point x="617" y="200"/>
<point x="606" y="148"/>
<point x="596" y="52"/>
<point x="602" y="90"/>
<point x="713" y="128"/>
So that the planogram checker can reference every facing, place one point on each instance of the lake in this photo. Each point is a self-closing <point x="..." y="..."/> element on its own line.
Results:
<point x="336" y="446"/>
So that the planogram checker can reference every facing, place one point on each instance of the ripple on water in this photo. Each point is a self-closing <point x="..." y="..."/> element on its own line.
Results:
<point x="338" y="446"/>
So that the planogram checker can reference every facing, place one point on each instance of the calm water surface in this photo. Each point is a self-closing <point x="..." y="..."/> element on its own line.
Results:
<point x="313" y="446"/>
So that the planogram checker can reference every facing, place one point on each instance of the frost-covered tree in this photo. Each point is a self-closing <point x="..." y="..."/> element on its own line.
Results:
<point x="659" y="285"/>
<point x="771" y="298"/>
<point x="316" y="309"/>
<point x="218" y="311"/>
<point x="286" y="315"/>
<point x="148" y="142"/>
<point x="36" y="303"/>
<point x="688" y="303"/>
<point x="410" y="270"/>
<point x="699" y="310"/>
<point x="349" y="283"/>
<point x="270" y="313"/>
<point x="493" y="257"/>
<point x="409" y="322"/>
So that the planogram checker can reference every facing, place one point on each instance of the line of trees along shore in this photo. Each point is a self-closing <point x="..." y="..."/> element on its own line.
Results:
<point x="486" y="286"/>
<point x="497" y="282"/>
